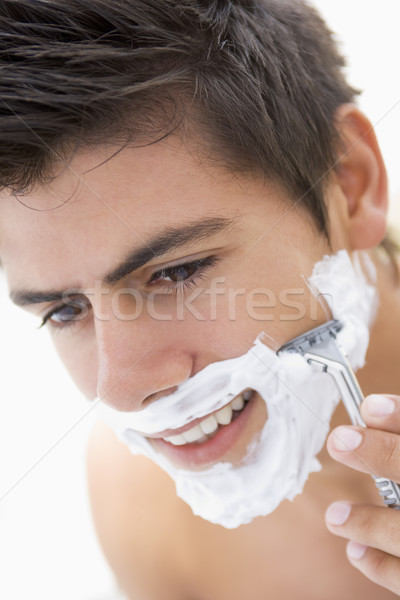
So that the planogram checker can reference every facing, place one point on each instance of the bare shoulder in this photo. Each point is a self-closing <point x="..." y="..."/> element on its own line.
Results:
<point x="135" y="511"/>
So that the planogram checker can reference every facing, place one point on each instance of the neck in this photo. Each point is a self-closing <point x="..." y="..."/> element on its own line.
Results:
<point x="380" y="373"/>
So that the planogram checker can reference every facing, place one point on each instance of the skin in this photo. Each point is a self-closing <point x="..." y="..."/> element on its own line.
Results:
<point x="84" y="224"/>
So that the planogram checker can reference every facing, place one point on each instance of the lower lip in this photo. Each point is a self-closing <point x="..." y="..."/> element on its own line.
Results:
<point x="210" y="451"/>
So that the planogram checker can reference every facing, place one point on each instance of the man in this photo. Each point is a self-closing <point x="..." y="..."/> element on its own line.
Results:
<point x="158" y="147"/>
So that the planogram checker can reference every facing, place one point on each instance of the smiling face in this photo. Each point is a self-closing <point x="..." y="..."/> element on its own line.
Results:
<point x="169" y="263"/>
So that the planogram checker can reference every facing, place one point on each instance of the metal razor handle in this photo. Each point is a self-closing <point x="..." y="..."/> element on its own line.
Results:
<point x="352" y="397"/>
<point x="320" y="348"/>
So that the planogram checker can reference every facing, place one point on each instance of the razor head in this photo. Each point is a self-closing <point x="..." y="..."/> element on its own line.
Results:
<point x="318" y="337"/>
<point x="322" y="351"/>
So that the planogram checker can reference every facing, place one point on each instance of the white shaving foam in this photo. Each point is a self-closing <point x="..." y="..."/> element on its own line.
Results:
<point x="300" y="403"/>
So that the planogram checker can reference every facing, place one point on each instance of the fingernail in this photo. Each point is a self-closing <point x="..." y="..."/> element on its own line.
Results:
<point x="345" y="439"/>
<point x="355" y="550"/>
<point x="380" y="406"/>
<point x="338" y="513"/>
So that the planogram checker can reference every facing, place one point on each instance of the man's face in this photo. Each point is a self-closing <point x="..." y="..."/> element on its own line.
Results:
<point x="170" y="263"/>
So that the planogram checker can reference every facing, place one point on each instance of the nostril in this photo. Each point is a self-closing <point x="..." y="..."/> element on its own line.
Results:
<point x="158" y="395"/>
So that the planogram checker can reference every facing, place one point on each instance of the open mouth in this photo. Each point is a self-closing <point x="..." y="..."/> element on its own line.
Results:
<point x="223" y="435"/>
<point x="212" y="424"/>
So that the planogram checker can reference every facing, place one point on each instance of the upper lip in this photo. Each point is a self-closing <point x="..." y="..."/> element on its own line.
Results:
<point x="172" y="432"/>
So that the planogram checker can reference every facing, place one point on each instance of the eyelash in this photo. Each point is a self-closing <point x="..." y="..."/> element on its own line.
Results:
<point x="72" y="303"/>
<point x="200" y="266"/>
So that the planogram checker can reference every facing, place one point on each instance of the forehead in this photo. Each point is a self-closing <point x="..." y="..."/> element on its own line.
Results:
<point x="106" y="201"/>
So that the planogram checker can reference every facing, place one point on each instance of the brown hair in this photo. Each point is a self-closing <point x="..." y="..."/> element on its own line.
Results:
<point x="259" y="79"/>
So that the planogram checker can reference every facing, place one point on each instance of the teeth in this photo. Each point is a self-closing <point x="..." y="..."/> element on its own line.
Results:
<point x="209" y="425"/>
<point x="194" y="434"/>
<point x="224" y="416"/>
<point x="237" y="403"/>
<point x="176" y="440"/>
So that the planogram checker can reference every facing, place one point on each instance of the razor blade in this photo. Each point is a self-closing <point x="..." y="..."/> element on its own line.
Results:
<point x="320" y="348"/>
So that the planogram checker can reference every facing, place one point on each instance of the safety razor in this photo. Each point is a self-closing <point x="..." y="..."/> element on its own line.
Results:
<point x="320" y="348"/>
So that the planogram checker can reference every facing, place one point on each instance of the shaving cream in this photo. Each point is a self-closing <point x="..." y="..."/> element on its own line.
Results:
<point x="300" y="403"/>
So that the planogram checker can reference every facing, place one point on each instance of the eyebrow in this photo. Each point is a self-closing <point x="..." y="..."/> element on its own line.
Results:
<point x="169" y="239"/>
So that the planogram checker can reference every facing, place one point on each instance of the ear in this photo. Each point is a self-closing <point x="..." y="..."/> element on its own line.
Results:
<point x="361" y="176"/>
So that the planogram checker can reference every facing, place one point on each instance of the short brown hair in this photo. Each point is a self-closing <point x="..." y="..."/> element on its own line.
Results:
<point x="263" y="78"/>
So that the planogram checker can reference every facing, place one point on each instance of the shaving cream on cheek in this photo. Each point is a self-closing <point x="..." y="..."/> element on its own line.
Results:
<point x="300" y="403"/>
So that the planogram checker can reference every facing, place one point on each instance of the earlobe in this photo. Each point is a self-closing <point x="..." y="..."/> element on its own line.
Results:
<point x="361" y="176"/>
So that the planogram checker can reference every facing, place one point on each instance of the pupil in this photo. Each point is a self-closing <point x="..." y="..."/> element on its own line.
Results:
<point x="69" y="312"/>
<point x="182" y="273"/>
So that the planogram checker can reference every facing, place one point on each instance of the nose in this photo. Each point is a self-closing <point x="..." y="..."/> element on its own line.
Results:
<point x="138" y="362"/>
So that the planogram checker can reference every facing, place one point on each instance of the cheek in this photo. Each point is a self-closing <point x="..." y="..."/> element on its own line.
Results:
<point x="225" y="325"/>
<point x="280" y="304"/>
<point x="79" y="357"/>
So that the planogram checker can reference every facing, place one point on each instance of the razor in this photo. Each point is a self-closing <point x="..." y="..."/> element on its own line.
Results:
<point x="320" y="348"/>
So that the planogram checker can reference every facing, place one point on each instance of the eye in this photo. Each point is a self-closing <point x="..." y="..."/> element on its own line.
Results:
<point x="67" y="313"/>
<point x="184" y="274"/>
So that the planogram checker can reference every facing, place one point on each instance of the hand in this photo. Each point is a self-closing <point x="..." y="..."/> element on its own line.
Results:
<point x="374" y="531"/>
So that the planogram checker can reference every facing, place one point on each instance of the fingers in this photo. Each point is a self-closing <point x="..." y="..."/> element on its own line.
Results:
<point x="375" y="449"/>
<point x="374" y="526"/>
<point x="374" y="532"/>
<point x="382" y="412"/>
<point x="368" y="450"/>
<point x="378" y="566"/>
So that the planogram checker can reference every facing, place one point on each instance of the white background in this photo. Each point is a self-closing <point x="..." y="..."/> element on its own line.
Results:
<point x="48" y="550"/>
